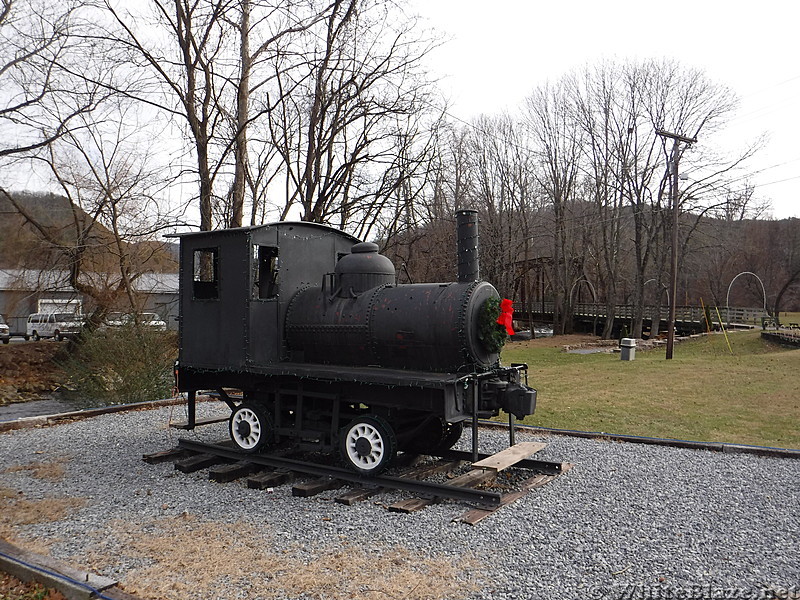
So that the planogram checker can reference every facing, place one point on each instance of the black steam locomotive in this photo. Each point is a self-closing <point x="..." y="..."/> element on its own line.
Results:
<point x="330" y="351"/>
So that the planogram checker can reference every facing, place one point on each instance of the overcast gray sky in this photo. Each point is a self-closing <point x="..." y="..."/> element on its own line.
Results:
<point x="500" y="50"/>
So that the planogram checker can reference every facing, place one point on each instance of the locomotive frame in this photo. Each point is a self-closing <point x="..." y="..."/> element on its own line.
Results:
<point x="238" y="330"/>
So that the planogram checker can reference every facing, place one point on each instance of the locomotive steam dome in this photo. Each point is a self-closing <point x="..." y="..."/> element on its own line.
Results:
<point x="363" y="269"/>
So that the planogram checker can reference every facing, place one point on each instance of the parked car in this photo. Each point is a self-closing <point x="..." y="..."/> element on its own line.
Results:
<point x="148" y="319"/>
<point x="53" y="325"/>
<point x="5" y="332"/>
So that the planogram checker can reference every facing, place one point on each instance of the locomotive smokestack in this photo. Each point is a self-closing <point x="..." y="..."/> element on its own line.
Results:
<point x="468" y="264"/>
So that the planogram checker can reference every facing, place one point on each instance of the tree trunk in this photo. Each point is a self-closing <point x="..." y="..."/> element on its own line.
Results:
<point x="242" y="113"/>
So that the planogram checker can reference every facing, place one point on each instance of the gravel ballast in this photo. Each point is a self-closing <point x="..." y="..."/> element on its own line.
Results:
<point x="628" y="521"/>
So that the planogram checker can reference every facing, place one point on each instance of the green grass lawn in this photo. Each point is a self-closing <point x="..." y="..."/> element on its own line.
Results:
<point x="704" y="393"/>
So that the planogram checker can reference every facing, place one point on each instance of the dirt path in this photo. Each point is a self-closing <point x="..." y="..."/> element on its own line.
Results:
<point x="556" y="341"/>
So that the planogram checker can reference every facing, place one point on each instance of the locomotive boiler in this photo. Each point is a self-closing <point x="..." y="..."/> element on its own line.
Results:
<point x="330" y="351"/>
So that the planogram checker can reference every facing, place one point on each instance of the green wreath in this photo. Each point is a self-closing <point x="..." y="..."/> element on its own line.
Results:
<point x="491" y="334"/>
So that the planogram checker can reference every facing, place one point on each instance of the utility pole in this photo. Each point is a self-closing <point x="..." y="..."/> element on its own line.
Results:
<point x="673" y="296"/>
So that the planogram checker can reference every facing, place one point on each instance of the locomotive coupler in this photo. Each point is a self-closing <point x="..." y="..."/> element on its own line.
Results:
<point x="505" y="391"/>
<point x="513" y="397"/>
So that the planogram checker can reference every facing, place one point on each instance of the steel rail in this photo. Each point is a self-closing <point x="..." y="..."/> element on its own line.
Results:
<point x="422" y="488"/>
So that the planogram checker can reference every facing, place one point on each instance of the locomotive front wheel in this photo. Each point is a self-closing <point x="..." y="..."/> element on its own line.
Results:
<point x="250" y="427"/>
<point x="436" y="435"/>
<point x="452" y="434"/>
<point x="368" y="445"/>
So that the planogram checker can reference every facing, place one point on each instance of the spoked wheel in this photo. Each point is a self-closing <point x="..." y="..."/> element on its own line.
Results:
<point x="251" y="427"/>
<point x="368" y="445"/>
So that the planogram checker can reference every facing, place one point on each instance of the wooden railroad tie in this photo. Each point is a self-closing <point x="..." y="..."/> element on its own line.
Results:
<point x="197" y="462"/>
<point x="317" y="486"/>
<point x="483" y="472"/>
<point x="357" y="495"/>
<point x="272" y="479"/>
<point x="472" y="479"/>
<point x="475" y="515"/>
<point x="232" y="472"/>
<point x="163" y="456"/>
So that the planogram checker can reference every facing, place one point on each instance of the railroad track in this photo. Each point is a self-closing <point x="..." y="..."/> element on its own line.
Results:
<point x="477" y="486"/>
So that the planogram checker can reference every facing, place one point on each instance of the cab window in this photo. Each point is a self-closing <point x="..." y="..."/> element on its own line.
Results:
<point x="205" y="281"/>
<point x="266" y="279"/>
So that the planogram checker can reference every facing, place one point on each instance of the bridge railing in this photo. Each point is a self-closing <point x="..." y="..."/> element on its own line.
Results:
<point x="684" y="314"/>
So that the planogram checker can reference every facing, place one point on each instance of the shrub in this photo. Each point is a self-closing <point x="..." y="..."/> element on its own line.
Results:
<point x="121" y="365"/>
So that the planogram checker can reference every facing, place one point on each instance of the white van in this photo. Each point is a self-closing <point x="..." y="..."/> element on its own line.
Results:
<point x="53" y="325"/>
<point x="5" y="333"/>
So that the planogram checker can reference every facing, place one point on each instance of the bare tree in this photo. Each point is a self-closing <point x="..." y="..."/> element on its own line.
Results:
<point x="557" y="140"/>
<point x="183" y="46"/>
<point x="357" y="110"/>
<point x="338" y="81"/>
<point x="40" y="98"/>
<point x="503" y="192"/>
<point x="788" y="256"/>
<point x="271" y="33"/>
<point x="101" y="169"/>
<point x="606" y="160"/>
<point x="424" y="248"/>
<point x="595" y="134"/>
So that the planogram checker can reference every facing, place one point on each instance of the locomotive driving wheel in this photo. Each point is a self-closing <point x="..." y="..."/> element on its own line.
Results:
<point x="250" y="427"/>
<point x="368" y="445"/>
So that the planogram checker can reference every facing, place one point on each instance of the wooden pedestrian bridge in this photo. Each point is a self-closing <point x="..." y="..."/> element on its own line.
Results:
<point x="688" y="319"/>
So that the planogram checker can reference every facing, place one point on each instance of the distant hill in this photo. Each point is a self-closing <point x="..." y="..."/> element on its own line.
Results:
<point x="22" y="246"/>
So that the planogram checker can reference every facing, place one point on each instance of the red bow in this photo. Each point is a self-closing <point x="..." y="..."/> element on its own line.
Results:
<point x="506" y="312"/>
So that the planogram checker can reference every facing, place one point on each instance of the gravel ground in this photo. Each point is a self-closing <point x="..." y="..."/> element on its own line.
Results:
<point x="628" y="521"/>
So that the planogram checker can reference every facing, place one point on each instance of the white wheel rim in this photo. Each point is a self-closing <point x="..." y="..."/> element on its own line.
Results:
<point x="246" y="428"/>
<point x="370" y="433"/>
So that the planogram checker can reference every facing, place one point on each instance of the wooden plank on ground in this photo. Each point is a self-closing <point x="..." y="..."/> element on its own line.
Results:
<point x="197" y="462"/>
<point x="264" y="481"/>
<point x="227" y="473"/>
<point x="510" y="456"/>
<point x="312" y="488"/>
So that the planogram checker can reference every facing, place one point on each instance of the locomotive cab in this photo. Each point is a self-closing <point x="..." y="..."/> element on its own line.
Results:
<point x="234" y="287"/>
